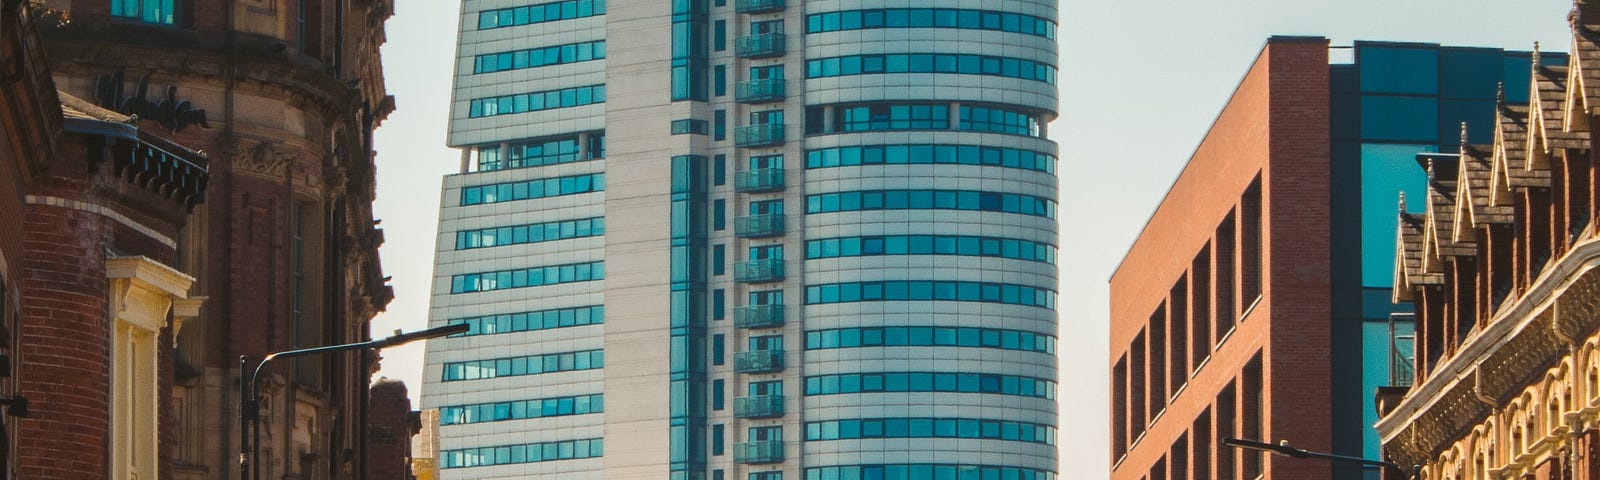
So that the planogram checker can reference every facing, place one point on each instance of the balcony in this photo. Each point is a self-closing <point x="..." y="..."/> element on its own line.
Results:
<point x="758" y="135"/>
<point x="758" y="316"/>
<point x="758" y="361"/>
<point x="758" y="271"/>
<point x="758" y="226"/>
<point x="763" y="45"/>
<point x="770" y="451"/>
<point x="757" y="6"/>
<point x="759" y="180"/>
<point x="759" y="91"/>
<point x="758" y="406"/>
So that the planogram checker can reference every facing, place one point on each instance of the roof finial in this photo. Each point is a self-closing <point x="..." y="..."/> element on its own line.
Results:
<point x="1500" y="93"/>
<point x="1402" y="202"/>
<point x="1463" y="135"/>
<point x="1535" y="56"/>
<point x="1430" y="169"/>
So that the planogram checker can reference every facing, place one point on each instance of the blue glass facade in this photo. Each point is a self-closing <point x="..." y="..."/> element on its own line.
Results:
<point x="1394" y="101"/>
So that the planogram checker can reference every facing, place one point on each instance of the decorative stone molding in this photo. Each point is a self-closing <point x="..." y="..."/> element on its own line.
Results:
<point x="262" y="159"/>
<point x="143" y="291"/>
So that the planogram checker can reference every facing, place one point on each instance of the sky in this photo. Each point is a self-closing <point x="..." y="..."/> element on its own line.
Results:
<point x="1140" y="84"/>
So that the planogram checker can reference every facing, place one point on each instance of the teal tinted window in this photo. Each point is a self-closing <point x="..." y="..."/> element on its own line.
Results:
<point x="940" y="290"/>
<point x="535" y="233"/>
<point x="532" y="189"/>
<point x="925" y="471"/>
<point x="521" y="409"/>
<point x="1478" y="115"/>
<point x="921" y="154"/>
<point x="931" y="63"/>
<point x="524" y="365"/>
<point x="537" y="101"/>
<point x="1387" y="170"/>
<point x="530" y="321"/>
<point x="524" y="453"/>
<point x="1410" y="119"/>
<point x="930" y="18"/>
<point x="544" y="12"/>
<point x="539" y="57"/>
<point x="931" y="199"/>
<point x="931" y="245"/>
<point x="1470" y="73"/>
<point x="930" y="382"/>
<point x="968" y="337"/>
<point x="1398" y="70"/>
<point x="974" y="428"/>
<point x="527" y="277"/>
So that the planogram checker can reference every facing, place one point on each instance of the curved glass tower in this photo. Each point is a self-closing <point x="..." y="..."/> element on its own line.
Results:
<point x="750" y="239"/>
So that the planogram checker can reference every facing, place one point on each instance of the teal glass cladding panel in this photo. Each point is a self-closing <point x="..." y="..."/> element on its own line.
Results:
<point x="1477" y="114"/>
<point x="1375" y="373"/>
<point x="1404" y="119"/>
<point x="1387" y="170"/>
<point x="1471" y="73"/>
<point x="1397" y="69"/>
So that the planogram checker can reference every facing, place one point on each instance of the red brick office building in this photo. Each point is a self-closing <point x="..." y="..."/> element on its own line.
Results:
<point x="1230" y="337"/>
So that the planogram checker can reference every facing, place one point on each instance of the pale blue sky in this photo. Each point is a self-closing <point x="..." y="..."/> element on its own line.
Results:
<point x="1141" y="83"/>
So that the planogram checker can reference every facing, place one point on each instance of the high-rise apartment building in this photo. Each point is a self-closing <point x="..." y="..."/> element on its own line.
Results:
<point x="749" y="239"/>
<point x="1256" y="303"/>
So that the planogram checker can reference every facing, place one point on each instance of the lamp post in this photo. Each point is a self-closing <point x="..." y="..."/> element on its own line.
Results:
<point x="1283" y="448"/>
<point x="249" y="395"/>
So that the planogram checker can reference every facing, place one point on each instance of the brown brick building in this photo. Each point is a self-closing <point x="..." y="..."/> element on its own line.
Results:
<point x="391" y="425"/>
<point x="1229" y="337"/>
<point x="1501" y="267"/>
<point x="282" y="98"/>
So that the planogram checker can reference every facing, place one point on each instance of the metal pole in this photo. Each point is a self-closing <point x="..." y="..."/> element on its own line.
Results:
<point x="244" y="420"/>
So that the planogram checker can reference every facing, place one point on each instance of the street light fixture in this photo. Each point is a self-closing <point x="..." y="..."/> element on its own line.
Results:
<point x="1283" y="448"/>
<point x="249" y="394"/>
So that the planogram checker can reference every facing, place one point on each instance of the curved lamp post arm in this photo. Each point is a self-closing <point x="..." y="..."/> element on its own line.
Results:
<point x="1283" y="448"/>
<point x="249" y="390"/>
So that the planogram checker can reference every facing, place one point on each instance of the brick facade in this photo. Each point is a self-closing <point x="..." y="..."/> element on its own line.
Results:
<point x="1229" y="337"/>
<point x="391" y="424"/>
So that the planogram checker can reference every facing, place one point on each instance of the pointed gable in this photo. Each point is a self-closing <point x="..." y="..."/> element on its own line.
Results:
<point x="1510" y="140"/>
<point x="1473" y="209"/>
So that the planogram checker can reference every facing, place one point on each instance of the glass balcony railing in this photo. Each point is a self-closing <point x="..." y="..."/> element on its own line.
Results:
<point x="757" y="6"/>
<point x="758" y="361"/>
<point x="758" y="226"/>
<point x="758" y="316"/>
<point x="759" y="91"/>
<point x="762" y="45"/>
<point x="758" y="406"/>
<point x="758" y="271"/>
<point x="770" y="451"/>
<point x="758" y="135"/>
<point x="759" y="180"/>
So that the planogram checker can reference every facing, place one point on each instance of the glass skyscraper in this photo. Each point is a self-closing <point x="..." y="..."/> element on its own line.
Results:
<point x="1391" y="101"/>
<point x="749" y="239"/>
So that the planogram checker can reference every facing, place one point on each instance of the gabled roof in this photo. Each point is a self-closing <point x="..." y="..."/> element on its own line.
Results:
<point x="1439" y="219"/>
<point x="1409" y="272"/>
<point x="1585" y="63"/>
<point x="1546" y="112"/>
<point x="1472" y="194"/>
<point x="1510" y="156"/>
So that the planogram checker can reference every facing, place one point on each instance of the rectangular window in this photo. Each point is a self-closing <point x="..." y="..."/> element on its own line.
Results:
<point x="1200" y="308"/>
<point x="719" y="80"/>
<point x="719" y="125"/>
<point x="719" y="259"/>
<point x="1224" y="255"/>
<point x="689" y="126"/>
<point x="720" y="34"/>
<point x="1226" y="404"/>
<point x="1119" y="410"/>
<point x="1250" y="244"/>
<point x="718" y="345"/>
<point x="718" y="304"/>
<point x="719" y="215"/>
<point x="717" y="439"/>
<point x="1158" y="360"/>
<point x="150" y="11"/>
<point x="718" y="396"/>
<point x="1178" y="336"/>
<point x="1250" y="414"/>
<point x="719" y="169"/>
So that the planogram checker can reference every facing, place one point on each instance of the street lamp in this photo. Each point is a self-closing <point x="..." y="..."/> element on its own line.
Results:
<point x="1283" y="448"/>
<point x="249" y="395"/>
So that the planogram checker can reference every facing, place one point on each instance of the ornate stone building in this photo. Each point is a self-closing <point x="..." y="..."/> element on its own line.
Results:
<point x="281" y="96"/>
<point x="1501" y="268"/>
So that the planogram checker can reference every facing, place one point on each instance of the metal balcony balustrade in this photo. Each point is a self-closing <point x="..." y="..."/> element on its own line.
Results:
<point x="758" y="135"/>
<point x="770" y="451"/>
<point x="758" y="226"/>
<point x="758" y="361"/>
<point x="758" y="271"/>
<point x="757" y="6"/>
<point x="759" y="91"/>
<point x="759" y="180"/>
<point x="758" y="406"/>
<point x="761" y="45"/>
<point x="758" y="316"/>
